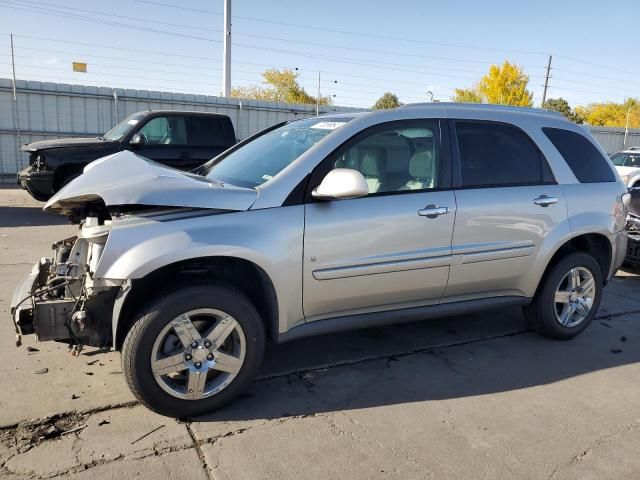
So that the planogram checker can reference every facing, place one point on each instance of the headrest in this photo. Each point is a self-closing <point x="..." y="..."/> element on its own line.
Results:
<point x="421" y="165"/>
<point x="372" y="162"/>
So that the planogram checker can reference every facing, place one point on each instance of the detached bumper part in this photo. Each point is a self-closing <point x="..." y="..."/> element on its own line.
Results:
<point x="633" y="248"/>
<point x="57" y="319"/>
<point x="22" y="307"/>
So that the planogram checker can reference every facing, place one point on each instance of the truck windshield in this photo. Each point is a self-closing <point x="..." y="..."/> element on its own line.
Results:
<point x="267" y="155"/>
<point x="124" y="127"/>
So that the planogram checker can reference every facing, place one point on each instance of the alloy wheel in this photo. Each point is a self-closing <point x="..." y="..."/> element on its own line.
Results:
<point x="198" y="354"/>
<point x="574" y="297"/>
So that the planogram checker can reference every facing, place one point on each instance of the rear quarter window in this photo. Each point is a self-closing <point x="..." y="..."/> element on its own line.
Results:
<point x="209" y="130"/>
<point x="584" y="159"/>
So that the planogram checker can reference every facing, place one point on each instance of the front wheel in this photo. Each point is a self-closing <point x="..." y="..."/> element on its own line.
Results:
<point x="194" y="350"/>
<point x="568" y="298"/>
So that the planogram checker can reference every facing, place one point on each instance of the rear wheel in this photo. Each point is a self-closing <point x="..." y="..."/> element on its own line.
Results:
<point x="194" y="350"/>
<point x="568" y="298"/>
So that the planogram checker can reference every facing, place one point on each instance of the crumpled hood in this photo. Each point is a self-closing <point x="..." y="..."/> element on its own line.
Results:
<point x="62" y="142"/>
<point x="125" y="178"/>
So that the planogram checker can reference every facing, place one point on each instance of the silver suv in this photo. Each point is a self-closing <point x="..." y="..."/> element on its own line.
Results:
<point x="322" y="225"/>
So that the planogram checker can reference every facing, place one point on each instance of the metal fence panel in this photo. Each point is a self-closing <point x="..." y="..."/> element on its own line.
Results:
<point x="612" y="139"/>
<point x="53" y="110"/>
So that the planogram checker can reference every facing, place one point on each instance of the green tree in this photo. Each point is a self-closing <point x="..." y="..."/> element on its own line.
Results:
<point x="611" y="114"/>
<point x="503" y="85"/>
<point x="560" y="105"/>
<point x="386" y="101"/>
<point x="280" y="86"/>
<point x="467" y="95"/>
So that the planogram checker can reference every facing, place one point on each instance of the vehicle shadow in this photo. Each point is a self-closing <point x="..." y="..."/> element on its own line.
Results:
<point x="467" y="365"/>
<point x="28" y="217"/>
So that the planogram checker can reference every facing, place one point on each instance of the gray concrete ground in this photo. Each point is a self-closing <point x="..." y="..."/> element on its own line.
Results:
<point x="460" y="398"/>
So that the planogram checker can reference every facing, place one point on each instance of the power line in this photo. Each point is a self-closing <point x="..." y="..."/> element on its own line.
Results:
<point x="127" y="49"/>
<point x="107" y="22"/>
<point x="334" y="30"/>
<point x="125" y="17"/>
<point x="586" y="62"/>
<point x="266" y="37"/>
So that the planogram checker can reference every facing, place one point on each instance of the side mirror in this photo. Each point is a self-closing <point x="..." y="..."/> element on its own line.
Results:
<point x="137" y="140"/>
<point x="341" y="183"/>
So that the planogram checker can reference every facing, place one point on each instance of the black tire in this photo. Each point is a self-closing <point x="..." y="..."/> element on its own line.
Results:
<point x="138" y="344"/>
<point x="541" y="313"/>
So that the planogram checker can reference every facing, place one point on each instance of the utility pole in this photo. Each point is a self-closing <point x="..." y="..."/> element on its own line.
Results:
<point x="626" y="128"/>
<point x="546" y="81"/>
<point x="15" y="104"/>
<point x="318" y="97"/>
<point x="226" y="67"/>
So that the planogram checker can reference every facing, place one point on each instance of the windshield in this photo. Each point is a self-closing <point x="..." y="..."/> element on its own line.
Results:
<point x="124" y="127"/>
<point x="618" y="159"/>
<point x="263" y="158"/>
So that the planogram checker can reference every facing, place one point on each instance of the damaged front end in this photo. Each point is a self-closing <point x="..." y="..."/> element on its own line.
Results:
<point x="72" y="296"/>
<point x="60" y="300"/>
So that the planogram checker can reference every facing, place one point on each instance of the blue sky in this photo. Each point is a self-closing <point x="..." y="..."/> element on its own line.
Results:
<point x="408" y="47"/>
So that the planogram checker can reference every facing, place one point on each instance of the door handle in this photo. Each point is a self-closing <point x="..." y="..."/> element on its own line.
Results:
<point x="545" y="201"/>
<point x="184" y="155"/>
<point x="433" y="211"/>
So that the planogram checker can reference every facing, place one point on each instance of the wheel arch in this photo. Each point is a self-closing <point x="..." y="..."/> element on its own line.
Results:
<point x="597" y="245"/>
<point x="243" y="274"/>
<point x="65" y="171"/>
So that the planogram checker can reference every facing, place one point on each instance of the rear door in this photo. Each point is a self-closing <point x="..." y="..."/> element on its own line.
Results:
<point x="165" y="141"/>
<point x="508" y="202"/>
<point x="209" y="135"/>
<point x="392" y="248"/>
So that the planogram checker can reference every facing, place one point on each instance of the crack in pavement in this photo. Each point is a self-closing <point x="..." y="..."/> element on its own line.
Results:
<point x="11" y="432"/>
<point x="207" y="471"/>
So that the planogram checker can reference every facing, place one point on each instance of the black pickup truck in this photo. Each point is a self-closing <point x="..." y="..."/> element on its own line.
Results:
<point x="182" y="140"/>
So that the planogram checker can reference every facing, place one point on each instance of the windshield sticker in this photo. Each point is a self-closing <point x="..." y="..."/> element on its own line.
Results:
<point x="327" y="125"/>
<point x="132" y="122"/>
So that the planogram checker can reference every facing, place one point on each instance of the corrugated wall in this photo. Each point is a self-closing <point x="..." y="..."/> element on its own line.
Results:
<point x="612" y="139"/>
<point x="54" y="110"/>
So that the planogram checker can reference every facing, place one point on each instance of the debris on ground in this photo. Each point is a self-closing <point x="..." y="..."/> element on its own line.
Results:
<point x="30" y="434"/>
<point x="623" y="339"/>
<point x="74" y="396"/>
<point x="616" y="350"/>
<point x="32" y="350"/>
<point x="147" y="434"/>
<point x="41" y="371"/>
<point x="92" y="362"/>
<point x="605" y="325"/>
<point x="103" y="422"/>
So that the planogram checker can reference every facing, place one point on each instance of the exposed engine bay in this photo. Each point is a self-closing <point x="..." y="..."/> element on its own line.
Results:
<point x="61" y="301"/>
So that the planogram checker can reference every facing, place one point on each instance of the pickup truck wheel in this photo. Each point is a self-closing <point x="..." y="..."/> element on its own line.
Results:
<point x="568" y="299"/>
<point x="194" y="350"/>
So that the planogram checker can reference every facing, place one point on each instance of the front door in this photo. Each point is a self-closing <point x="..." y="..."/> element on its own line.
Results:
<point x="165" y="141"/>
<point x="392" y="248"/>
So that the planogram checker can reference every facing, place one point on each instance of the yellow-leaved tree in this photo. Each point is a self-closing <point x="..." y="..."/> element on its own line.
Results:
<point x="610" y="114"/>
<point x="504" y="85"/>
<point x="280" y="86"/>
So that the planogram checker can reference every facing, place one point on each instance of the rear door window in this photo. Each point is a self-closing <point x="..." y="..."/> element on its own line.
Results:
<point x="207" y="130"/>
<point x="496" y="154"/>
<point x="584" y="159"/>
